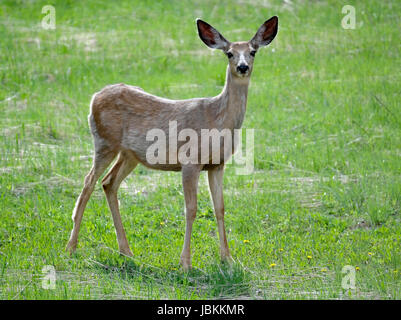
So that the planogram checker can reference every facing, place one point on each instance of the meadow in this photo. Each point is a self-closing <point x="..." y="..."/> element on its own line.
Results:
<point x="325" y="192"/>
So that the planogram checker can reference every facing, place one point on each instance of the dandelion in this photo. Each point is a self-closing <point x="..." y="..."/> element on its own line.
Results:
<point x="370" y="253"/>
<point x="246" y="241"/>
<point x="162" y="223"/>
<point x="357" y="268"/>
<point x="272" y="265"/>
<point x="309" y="257"/>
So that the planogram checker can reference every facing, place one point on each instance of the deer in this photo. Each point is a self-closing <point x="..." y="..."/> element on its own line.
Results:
<point x="121" y="115"/>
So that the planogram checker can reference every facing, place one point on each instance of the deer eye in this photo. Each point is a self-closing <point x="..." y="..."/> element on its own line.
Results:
<point x="253" y="53"/>
<point x="229" y="55"/>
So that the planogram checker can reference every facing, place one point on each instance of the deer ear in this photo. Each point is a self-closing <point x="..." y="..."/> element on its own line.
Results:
<point x="211" y="37"/>
<point x="266" y="33"/>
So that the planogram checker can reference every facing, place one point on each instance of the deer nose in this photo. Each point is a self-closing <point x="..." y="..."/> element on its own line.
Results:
<point x="242" y="68"/>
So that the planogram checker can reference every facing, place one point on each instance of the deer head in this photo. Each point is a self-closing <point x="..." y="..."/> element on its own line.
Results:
<point x="240" y="54"/>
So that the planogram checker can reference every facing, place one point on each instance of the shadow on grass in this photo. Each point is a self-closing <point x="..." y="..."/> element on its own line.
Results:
<point x="216" y="281"/>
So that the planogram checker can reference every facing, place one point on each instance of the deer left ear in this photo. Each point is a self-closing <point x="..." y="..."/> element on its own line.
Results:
<point x="266" y="33"/>
<point x="211" y="37"/>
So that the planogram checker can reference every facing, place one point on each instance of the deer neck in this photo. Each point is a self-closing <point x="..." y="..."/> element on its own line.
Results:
<point x="233" y="99"/>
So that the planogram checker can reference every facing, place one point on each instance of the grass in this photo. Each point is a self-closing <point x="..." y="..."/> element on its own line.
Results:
<point x="325" y="192"/>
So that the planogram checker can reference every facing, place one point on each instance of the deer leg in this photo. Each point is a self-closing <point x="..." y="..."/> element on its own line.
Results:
<point x="111" y="182"/>
<point x="100" y="162"/>
<point x="215" y="178"/>
<point x="190" y="178"/>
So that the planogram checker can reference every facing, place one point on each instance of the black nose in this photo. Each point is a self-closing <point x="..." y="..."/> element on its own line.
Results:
<point x="242" y="68"/>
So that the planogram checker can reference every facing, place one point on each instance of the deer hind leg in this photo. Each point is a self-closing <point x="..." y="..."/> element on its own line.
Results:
<point x="102" y="159"/>
<point x="215" y="178"/>
<point x="111" y="182"/>
<point x="190" y="178"/>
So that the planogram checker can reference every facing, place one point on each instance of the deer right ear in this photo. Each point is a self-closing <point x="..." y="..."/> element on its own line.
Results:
<point x="211" y="37"/>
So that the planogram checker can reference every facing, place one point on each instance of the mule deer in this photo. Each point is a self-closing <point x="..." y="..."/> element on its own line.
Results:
<point x="121" y="115"/>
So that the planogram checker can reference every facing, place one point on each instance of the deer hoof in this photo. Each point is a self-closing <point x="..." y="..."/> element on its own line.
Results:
<point x="71" y="247"/>
<point x="126" y="252"/>
<point x="186" y="264"/>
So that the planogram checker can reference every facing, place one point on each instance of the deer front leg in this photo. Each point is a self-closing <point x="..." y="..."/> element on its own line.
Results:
<point x="215" y="178"/>
<point x="190" y="178"/>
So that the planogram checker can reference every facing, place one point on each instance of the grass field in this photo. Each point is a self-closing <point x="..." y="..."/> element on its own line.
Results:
<point x="326" y="188"/>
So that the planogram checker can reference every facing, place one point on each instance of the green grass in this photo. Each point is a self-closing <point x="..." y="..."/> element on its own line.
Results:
<point x="325" y="193"/>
